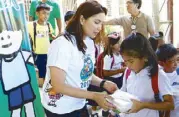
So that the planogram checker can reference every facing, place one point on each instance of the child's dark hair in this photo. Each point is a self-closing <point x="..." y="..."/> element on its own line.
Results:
<point x="165" y="52"/>
<point x="154" y="43"/>
<point x="155" y="40"/>
<point x="68" y="15"/>
<point x="41" y="6"/>
<point x="136" y="45"/>
<point x="112" y="39"/>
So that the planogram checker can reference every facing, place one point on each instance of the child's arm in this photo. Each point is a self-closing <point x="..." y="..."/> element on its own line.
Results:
<point x="108" y="63"/>
<point x="166" y="105"/>
<point x="52" y="36"/>
<point x="107" y="73"/>
<point x="51" y="33"/>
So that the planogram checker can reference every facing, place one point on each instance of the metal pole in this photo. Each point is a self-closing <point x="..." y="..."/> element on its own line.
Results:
<point x="155" y="11"/>
<point x="170" y="17"/>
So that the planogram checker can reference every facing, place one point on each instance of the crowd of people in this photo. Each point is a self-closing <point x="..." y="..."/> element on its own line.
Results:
<point x="84" y="64"/>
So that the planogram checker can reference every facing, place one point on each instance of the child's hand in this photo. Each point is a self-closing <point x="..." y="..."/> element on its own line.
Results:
<point x="137" y="106"/>
<point x="121" y="70"/>
<point x="52" y="36"/>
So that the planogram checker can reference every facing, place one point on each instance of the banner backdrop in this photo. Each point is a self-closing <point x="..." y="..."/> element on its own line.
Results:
<point x="19" y="93"/>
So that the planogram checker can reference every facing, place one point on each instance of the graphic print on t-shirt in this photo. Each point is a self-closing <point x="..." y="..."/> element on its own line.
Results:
<point x="86" y="71"/>
<point x="42" y="34"/>
<point x="53" y="96"/>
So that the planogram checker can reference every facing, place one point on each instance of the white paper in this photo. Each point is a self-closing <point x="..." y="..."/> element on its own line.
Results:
<point x="122" y="100"/>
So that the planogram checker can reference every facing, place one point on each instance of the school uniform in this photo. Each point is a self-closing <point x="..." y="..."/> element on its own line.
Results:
<point x="140" y="85"/>
<point x="174" y="82"/>
<point x="114" y="63"/>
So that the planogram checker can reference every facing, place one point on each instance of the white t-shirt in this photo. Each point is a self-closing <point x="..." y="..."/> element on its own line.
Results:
<point x="140" y="85"/>
<point x="174" y="81"/>
<point x="117" y="63"/>
<point x="79" y="68"/>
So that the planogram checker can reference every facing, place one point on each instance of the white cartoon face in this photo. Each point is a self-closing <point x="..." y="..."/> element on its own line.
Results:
<point x="10" y="42"/>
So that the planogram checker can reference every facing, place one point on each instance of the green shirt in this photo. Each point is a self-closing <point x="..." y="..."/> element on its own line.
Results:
<point x="55" y="11"/>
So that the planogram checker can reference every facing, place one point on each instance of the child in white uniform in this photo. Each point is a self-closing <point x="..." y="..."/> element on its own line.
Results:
<point x="113" y="62"/>
<point x="142" y="61"/>
<point x="167" y="57"/>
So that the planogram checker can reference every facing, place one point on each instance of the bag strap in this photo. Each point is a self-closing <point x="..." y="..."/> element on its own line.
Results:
<point x="156" y="92"/>
<point x="112" y="63"/>
<point x="99" y="65"/>
<point x="35" y="33"/>
<point x="155" y="88"/>
<point x="48" y="24"/>
<point x="155" y="83"/>
<point x="128" y="72"/>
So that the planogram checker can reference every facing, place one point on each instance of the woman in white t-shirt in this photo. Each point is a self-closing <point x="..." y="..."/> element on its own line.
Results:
<point x="113" y="62"/>
<point x="142" y="61"/>
<point x="70" y="65"/>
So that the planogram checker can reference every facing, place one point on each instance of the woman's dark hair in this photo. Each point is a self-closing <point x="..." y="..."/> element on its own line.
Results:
<point x="74" y="27"/>
<point x="68" y="15"/>
<point x="136" y="45"/>
<point x="112" y="39"/>
<point x="165" y="52"/>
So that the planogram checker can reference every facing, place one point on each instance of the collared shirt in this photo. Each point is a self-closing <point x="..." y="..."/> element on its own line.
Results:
<point x="144" y="24"/>
<point x="140" y="85"/>
<point x="108" y="65"/>
<point x="174" y="81"/>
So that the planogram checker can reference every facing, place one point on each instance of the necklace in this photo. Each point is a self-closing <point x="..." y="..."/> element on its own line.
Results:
<point x="134" y="20"/>
<point x="133" y="26"/>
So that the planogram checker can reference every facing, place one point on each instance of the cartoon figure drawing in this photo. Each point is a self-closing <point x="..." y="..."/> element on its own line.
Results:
<point x="14" y="75"/>
<point x="54" y="97"/>
<point x="86" y="71"/>
<point x="87" y="68"/>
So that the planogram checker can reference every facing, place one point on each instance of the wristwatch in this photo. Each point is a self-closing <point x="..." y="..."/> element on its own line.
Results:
<point x="102" y="83"/>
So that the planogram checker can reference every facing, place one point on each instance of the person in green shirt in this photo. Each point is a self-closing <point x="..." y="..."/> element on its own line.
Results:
<point x="54" y="14"/>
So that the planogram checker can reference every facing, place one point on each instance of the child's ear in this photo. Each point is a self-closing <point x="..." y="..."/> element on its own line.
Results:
<point x="37" y="13"/>
<point x="161" y="63"/>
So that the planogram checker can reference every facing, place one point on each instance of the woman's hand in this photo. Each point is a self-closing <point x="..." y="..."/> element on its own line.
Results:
<point x="137" y="106"/>
<point x="110" y="86"/>
<point x="100" y="98"/>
